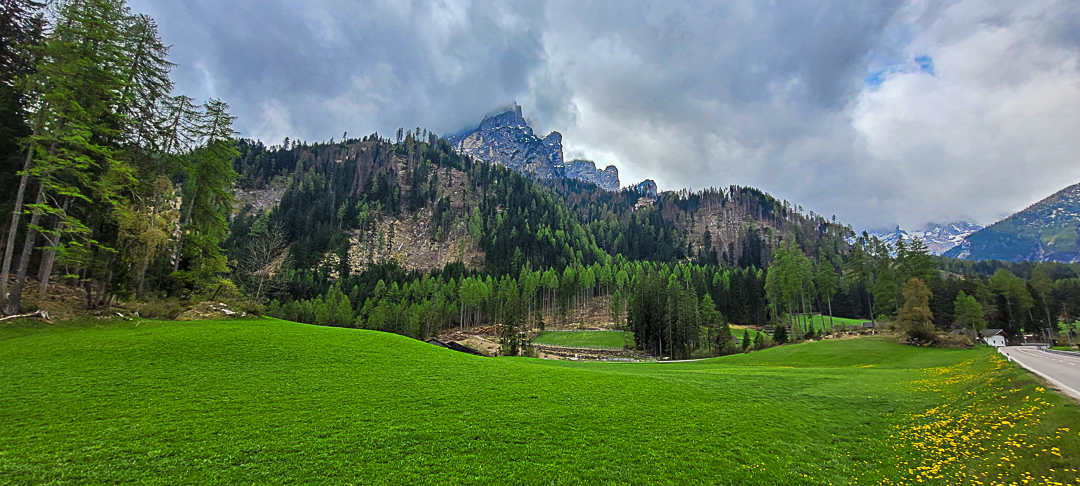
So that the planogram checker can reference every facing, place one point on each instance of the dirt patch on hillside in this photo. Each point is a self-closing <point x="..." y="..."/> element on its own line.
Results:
<point x="209" y="311"/>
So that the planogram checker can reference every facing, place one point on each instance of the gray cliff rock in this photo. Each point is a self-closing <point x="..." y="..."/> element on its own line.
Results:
<point x="585" y="170"/>
<point x="507" y="139"/>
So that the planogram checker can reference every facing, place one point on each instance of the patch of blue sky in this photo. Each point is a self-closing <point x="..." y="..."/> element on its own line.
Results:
<point x="926" y="64"/>
<point x="920" y="64"/>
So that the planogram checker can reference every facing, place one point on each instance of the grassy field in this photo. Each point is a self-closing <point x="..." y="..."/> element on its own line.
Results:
<point x="585" y="339"/>
<point x="737" y="331"/>
<point x="275" y="402"/>
<point x="821" y="322"/>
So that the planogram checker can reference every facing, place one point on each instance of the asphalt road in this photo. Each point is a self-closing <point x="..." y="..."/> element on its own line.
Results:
<point x="1062" y="371"/>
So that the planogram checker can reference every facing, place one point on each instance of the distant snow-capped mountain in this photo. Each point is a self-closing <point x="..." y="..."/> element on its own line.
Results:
<point x="940" y="238"/>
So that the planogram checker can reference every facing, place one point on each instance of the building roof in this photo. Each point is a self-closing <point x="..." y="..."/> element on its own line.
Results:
<point x="464" y="349"/>
<point x="991" y="332"/>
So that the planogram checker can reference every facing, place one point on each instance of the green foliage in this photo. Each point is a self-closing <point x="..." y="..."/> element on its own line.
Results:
<point x="780" y="335"/>
<point x="969" y="313"/>
<point x="915" y="317"/>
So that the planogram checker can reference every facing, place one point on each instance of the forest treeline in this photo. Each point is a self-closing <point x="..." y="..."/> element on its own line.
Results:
<point x="125" y="189"/>
<point x="115" y="183"/>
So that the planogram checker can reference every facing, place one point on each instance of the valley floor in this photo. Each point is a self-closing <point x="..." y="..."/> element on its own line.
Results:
<point x="268" y="401"/>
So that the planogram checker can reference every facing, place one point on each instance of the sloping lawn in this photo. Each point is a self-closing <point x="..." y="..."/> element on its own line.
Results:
<point x="587" y="339"/>
<point x="273" y="402"/>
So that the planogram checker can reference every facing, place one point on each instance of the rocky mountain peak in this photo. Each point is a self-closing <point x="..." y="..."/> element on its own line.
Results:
<point x="607" y="179"/>
<point x="506" y="138"/>
<point x="939" y="238"/>
<point x="508" y="119"/>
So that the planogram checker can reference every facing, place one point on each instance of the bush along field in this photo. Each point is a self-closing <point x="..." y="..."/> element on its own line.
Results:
<point x="268" y="401"/>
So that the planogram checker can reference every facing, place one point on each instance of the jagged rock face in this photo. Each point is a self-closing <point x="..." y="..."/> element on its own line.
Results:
<point x="607" y="179"/>
<point x="1048" y="230"/>
<point x="646" y="188"/>
<point x="507" y="139"/>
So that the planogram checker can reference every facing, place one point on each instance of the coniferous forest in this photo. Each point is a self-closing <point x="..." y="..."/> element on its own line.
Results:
<point x="130" y="192"/>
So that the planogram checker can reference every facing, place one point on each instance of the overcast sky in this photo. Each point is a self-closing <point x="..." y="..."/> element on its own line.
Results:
<point x="878" y="112"/>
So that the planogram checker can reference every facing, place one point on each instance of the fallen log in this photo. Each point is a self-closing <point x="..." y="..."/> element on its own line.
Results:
<point x="42" y="314"/>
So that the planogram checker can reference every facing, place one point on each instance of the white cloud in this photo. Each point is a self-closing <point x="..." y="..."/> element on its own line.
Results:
<point x="991" y="132"/>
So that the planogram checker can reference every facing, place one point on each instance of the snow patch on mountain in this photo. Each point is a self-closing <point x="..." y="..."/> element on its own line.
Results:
<point x="939" y="238"/>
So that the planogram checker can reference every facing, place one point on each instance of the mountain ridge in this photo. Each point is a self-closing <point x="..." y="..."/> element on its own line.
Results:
<point x="507" y="139"/>
<point x="1048" y="230"/>
<point x="939" y="238"/>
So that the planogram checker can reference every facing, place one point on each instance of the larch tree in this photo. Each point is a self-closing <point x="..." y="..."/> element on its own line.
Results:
<point x="969" y="313"/>
<point x="827" y="284"/>
<point x="914" y="316"/>
<point x="208" y="196"/>
<point x="73" y="152"/>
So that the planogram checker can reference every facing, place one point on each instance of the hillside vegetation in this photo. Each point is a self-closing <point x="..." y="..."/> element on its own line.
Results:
<point x="1044" y="231"/>
<point x="268" y="401"/>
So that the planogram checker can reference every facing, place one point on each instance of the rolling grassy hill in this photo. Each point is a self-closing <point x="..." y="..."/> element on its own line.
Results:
<point x="267" y="401"/>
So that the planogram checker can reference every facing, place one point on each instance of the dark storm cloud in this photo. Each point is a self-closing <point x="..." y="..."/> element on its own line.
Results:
<point x="830" y="105"/>
<point x="315" y="69"/>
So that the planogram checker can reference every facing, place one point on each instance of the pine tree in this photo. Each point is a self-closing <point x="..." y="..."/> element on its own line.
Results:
<point x="780" y="335"/>
<point x="21" y="27"/>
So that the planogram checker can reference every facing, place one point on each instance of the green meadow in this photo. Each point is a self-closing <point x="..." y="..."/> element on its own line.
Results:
<point x="273" y="402"/>
<point x="822" y="322"/>
<point x="586" y="339"/>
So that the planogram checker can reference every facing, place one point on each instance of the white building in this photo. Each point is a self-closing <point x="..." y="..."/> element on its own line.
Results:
<point x="993" y="337"/>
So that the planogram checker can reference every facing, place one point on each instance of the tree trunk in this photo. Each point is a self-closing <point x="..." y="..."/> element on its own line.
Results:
<point x="1049" y="323"/>
<point x="142" y="275"/>
<point x="183" y="232"/>
<point x="15" y="298"/>
<point x="50" y="255"/>
<point x="830" y="314"/>
<point x="870" y="302"/>
<point x="16" y="215"/>
<point x="104" y="285"/>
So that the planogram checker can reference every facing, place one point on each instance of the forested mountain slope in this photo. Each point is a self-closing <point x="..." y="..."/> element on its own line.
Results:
<point x="350" y="204"/>
<point x="1048" y="230"/>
